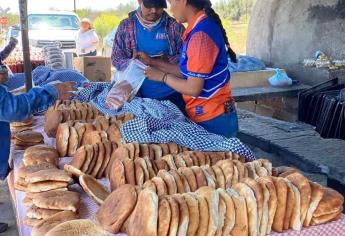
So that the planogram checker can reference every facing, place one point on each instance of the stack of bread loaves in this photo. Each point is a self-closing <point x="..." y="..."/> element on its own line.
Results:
<point x="136" y="172"/>
<point x="64" y="111"/>
<point x="224" y="174"/>
<point x="27" y="138"/>
<point x="45" y="185"/>
<point x="250" y="207"/>
<point x="72" y="135"/>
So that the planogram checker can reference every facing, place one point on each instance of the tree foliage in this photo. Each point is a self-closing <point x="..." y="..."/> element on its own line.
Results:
<point x="105" y="23"/>
<point x="234" y="9"/>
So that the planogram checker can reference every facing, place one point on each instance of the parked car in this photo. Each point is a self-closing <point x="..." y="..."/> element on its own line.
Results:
<point x="108" y="42"/>
<point x="49" y="27"/>
<point x="13" y="31"/>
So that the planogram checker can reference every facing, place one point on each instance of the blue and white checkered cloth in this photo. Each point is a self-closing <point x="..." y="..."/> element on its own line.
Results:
<point x="162" y="122"/>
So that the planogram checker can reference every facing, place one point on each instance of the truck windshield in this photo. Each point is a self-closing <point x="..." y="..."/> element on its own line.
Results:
<point x="53" y="22"/>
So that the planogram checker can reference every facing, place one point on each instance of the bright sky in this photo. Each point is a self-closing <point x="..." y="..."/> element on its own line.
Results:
<point x="67" y="5"/>
<point x="43" y="5"/>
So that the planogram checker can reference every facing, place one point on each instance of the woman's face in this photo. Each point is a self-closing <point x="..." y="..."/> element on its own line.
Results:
<point x="85" y="26"/>
<point x="178" y="8"/>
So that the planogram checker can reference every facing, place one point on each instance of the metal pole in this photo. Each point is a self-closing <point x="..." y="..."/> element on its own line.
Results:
<point x="75" y="6"/>
<point x="23" y="9"/>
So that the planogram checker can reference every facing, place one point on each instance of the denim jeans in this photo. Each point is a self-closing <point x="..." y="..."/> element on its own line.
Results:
<point x="90" y="54"/>
<point x="225" y="125"/>
<point x="5" y="143"/>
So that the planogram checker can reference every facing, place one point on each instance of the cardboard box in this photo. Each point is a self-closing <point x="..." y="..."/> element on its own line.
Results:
<point x="95" y="69"/>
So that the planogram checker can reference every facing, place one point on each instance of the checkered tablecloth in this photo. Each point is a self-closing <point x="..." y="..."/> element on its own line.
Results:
<point x="162" y="122"/>
<point x="88" y="207"/>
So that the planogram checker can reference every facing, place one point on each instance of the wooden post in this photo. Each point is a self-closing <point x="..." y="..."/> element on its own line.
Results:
<point x="23" y="10"/>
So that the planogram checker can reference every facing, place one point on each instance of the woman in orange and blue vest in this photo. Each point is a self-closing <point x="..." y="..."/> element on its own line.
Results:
<point x="202" y="76"/>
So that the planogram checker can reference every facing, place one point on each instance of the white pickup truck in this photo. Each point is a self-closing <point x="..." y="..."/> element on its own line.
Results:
<point x="48" y="27"/>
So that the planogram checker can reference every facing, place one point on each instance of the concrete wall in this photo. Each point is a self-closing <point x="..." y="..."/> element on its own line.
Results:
<point x="285" y="32"/>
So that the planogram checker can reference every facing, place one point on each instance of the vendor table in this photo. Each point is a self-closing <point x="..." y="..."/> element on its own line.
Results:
<point x="88" y="207"/>
<point x="267" y="92"/>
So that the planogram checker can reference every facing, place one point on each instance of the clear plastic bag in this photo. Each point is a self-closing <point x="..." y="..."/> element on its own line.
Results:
<point x="126" y="85"/>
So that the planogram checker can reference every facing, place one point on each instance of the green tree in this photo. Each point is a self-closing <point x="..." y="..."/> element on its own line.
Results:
<point x="105" y="23"/>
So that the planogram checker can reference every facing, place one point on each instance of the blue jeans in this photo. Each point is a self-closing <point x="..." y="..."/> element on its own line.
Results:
<point x="225" y="125"/>
<point x="5" y="143"/>
<point x="90" y="54"/>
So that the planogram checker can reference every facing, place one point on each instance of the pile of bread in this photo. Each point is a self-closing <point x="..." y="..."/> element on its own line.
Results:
<point x="63" y="111"/>
<point x="181" y="175"/>
<point x="26" y="138"/>
<point x="250" y="207"/>
<point x="45" y="185"/>
<point x="21" y="126"/>
<point x="74" y="134"/>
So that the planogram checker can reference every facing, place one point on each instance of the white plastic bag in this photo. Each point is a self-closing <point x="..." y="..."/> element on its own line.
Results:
<point x="127" y="85"/>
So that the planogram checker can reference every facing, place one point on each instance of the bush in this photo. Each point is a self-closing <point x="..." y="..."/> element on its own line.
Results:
<point x="105" y="23"/>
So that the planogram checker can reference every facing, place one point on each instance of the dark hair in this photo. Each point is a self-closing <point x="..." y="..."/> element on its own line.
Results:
<point x="206" y="5"/>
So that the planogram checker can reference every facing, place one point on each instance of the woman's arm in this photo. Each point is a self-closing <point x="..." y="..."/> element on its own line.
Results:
<point x="191" y="87"/>
<point x="160" y="64"/>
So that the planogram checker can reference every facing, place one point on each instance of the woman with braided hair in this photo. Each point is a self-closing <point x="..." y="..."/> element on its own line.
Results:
<point x="202" y="76"/>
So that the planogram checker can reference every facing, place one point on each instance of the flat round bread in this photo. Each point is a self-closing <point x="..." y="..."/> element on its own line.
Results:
<point x="203" y="214"/>
<point x="129" y="171"/>
<point x="150" y="168"/>
<point x="266" y="182"/>
<point x="89" y="156"/>
<point x="99" y="160"/>
<point x="179" y="161"/>
<point x="94" y="189"/>
<point x="107" y="154"/>
<point x="194" y="215"/>
<point x="241" y="215"/>
<point x="187" y="159"/>
<point x="79" y="158"/>
<point x="252" y="210"/>
<point x="173" y="148"/>
<point x="44" y="226"/>
<point x="175" y="216"/>
<point x="281" y="188"/>
<point x="240" y="168"/>
<point x="28" y="136"/>
<point x="190" y="177"/>
<point x="142" y="163"/>
<point x="211" y="181"/>
<point x="199" y="176"/>
<point x="30" y="222"/>
<point x="183" y="180"/>
<point x="150" y="185"/>
<point x="157" y="150"/>
<point x="178" y="180"/>
<point x="227" y="167"/>
<point x="219" y="177"/>
<point x="40" y="147"/>
<point x="117" y="175"/>
<point x="139" y="174"/>
<point x="164" y="217"/>
<point x="48" y="175"/>
<point x="169" y="181"/>
<point x="170" y="161"/>
<point x="46" y="186"/>
<point x="212" y="198"/>
<point x="26" y="170"/>
<point x="184" y="214"/>
<point x="94" y="159"/>
<point x="161" y="187"/>
<point x="77" y="228"/>
<point x="165" y="149"/>
<point x="195" y="159"/>
<point x="144" y="150"/>
<point x="201" y="158"/>
<point x="317" y="192"/>
<point x="62" y="136"/>
<point x="73" y="141"/>
<point x="117" y="208"/>
<point x="144" y="219"/>
<point x="72" y="170"/>
<point x="229" y="217"/>
<point x="34" y="212"/>
<point x="58" y="200"/>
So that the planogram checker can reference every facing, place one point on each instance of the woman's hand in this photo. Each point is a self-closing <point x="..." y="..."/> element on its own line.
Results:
<point x="154" y="74"/>
<point x="65" y="90"/>
<point x="143" y="57"/>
